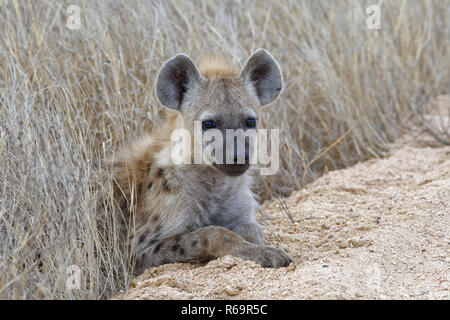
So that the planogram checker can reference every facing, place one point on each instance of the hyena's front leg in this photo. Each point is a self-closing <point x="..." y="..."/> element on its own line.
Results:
<point x="210" y="243"/>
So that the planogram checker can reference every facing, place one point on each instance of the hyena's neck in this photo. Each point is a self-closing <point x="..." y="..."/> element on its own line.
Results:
<point x="210" y="177"/>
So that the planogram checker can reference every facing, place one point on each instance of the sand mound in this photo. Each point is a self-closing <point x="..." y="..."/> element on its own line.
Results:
<point x="379" y="229"/>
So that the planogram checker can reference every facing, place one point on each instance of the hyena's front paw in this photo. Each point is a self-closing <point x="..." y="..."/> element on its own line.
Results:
<point x="267" y="257"/>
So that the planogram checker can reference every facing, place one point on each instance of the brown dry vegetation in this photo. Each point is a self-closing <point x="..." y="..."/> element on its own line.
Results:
<point x="71" y="96"/>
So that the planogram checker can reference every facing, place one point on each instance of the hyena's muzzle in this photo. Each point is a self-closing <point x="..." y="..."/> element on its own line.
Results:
<point x="237" y="150"/>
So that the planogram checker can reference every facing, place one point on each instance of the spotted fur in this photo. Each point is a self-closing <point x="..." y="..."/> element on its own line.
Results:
<point x="195" y="213"/>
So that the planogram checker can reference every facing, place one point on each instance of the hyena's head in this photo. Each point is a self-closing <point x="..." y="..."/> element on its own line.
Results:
<point x="221" y="103"/>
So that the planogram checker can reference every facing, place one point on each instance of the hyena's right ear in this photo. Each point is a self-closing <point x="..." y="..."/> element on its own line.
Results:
<point x="263" y="75"/>
<point x="177" y="76"/>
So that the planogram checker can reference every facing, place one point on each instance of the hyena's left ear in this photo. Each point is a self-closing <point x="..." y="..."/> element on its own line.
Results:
<point x="263" y="76"/>
<point x="176" y="77"/>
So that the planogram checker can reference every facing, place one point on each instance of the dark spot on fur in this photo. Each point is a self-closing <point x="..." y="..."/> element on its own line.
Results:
<point x="194" y="243"/>
<point x="205" y="242"/>
<point x="166" y="186"/>
<point x="157" y="248"/>
<point x="177" y="238"/>
<point x="150" y="185"/>
<point x="156" y="236"/>
<point x="174" y="247"/>
<point x="181" y="251"/>
<point x="151" y="243"/>
<point x="142" y="238"/>
<point x="160" y="173"/>
<point x="204" y="204"/>
<point x="155" y="218"/>
<point x="139" y="264"/>
<point x="158" y="228"/>
<point x="205" y="257"/>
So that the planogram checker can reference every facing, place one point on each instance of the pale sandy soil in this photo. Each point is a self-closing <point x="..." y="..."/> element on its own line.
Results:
<point x="378" y="230"/>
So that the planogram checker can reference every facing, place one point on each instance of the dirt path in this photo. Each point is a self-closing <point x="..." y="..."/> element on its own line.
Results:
<point x="380" y="229"/>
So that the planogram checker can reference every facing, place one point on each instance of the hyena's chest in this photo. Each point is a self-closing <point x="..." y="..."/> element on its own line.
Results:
<point x="218" y="201"/>
<point x="206" y="200"/>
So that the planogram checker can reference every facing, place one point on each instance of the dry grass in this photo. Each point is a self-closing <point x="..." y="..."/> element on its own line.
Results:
<point x="71" y="96"/>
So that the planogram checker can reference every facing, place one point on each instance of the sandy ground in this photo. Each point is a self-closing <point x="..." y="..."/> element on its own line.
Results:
<point x="378" y="230"/>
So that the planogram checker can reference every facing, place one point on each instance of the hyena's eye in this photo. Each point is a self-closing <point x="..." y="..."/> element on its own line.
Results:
<point x="208" y="124"/>
<point x="251" y="123"/>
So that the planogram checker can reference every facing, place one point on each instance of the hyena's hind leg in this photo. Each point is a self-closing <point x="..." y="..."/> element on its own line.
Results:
<point x="210" y="243"/>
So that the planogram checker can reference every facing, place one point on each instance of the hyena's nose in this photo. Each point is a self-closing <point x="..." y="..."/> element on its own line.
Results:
<point x="241" y="156"/>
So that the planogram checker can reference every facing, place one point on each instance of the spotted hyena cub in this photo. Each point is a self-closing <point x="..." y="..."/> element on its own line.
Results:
<point x="186" y="212"/>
